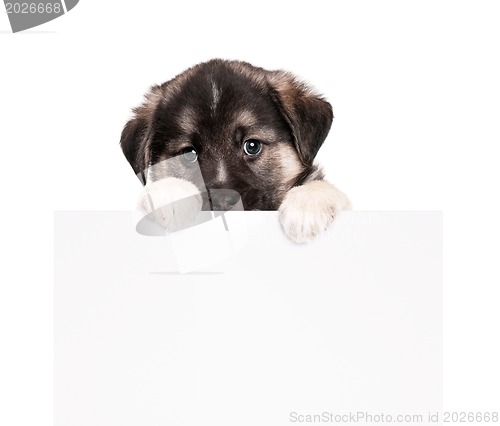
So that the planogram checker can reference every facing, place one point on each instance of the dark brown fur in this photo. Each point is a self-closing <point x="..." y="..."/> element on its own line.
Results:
<point x="214" y="108"/>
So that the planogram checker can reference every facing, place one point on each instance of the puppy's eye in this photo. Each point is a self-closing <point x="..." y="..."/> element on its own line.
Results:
<point x="252" y="147"/>
<point x="189" y="155"/>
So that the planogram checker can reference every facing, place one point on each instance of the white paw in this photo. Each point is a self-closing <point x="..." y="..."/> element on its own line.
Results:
<point x="173" y="203"/>
<point x="309" y="209"/>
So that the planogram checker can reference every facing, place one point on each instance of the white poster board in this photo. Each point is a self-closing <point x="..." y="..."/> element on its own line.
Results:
<point x="268" y="334"/>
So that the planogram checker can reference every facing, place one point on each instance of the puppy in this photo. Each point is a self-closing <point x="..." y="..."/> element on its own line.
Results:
<point x="249" y="134"/>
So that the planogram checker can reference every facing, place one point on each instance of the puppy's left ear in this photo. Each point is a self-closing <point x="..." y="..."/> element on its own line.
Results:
<point x="135" y="140"/>
<point x="133" y="143"/>
<point x="307" y="113"/>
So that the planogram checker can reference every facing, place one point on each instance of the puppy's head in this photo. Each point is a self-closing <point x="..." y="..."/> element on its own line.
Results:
<point x="252" y="132"/>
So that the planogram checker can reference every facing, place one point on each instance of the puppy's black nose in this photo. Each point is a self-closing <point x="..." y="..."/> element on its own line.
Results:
<point x="224" y="199"/>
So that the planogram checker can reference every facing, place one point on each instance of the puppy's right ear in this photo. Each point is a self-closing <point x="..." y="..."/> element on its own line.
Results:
<point x="135" y="139"/>
<point x="307" y="113"/>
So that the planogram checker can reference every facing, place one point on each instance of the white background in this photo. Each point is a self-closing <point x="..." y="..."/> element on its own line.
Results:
<point x="416" y="96"/>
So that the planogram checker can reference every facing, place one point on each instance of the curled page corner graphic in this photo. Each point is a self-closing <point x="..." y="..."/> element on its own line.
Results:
<point x="213" y="237"/>
<point x="70" y="4"/>
<point x="202" y="225"/>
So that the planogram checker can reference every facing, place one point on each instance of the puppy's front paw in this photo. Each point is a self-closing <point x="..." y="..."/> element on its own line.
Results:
<point x="307" y="210"/>
<point x="173" y="203"/>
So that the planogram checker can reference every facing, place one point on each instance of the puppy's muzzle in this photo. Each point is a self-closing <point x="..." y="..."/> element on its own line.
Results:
<point x="225" y="199"/>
